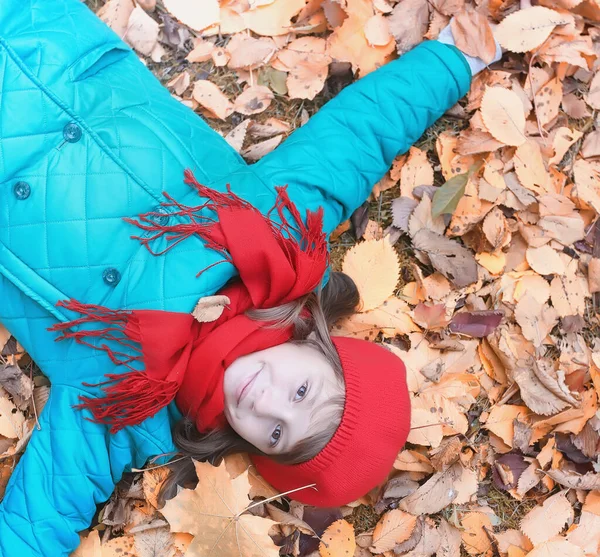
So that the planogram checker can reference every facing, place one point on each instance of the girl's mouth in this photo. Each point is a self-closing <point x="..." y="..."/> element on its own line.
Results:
<point x="246" y="387"/>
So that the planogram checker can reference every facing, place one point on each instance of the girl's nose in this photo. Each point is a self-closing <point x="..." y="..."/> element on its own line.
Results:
<point x="271" y="404"/>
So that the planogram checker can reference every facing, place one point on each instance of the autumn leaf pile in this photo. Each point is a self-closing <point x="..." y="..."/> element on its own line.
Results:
<point x="494" y="309"/>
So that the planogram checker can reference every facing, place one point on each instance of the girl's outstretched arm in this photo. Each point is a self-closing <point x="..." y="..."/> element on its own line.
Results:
<point x="335" y="159"/>
<point x="70" y="466"/>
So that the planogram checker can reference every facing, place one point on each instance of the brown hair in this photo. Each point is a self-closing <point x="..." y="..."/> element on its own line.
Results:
<point x="339" y="298"/>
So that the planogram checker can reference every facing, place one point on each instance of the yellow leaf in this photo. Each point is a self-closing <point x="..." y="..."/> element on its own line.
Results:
<point x="527" y="29"/>
<point x="474" y="537"/>
<point x="501" y="418"/>
<point x="213" y="513"/>
<point x="556" y="548"/>
<point x="394" y="527"/>
<point x="338" y="540"/>
<point x="374" y="267"/>
<point x="503" y="115"/>
<point x="544" y="522"/>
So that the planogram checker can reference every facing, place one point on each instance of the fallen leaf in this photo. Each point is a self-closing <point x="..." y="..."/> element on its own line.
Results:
<point x="451" y="259"/>
<point x="210" y="308"/>
<point x="556" y="548"/>
<point x="212" y="512"/>
<point x="408" y="24"/>
<point x="338" y="539"/>
<point x="543" y="523"/>
<point x="450" y="539"/>
<point x="478" y="324"/>
<point x="417" y="171"/>
<point x="253" y="100"/>
<point x="142" y="31"/>
<point x="435" y="494"/>
<point x="446" y="197"/>
<point x="474" y="537"/>
<point x="473" y="35"/>
<point x="588" y="482"/>
<point x="527" y="29"/>
<point x="374" y="267"/>
<point x="194" y="15"/>
<point x="377" y="30"/>
<point x="501" y="421"/>
<point x="503" y="115"/>
<point x="211" y="97"/>
<point x="249" y="52"/>
<point x="393" y="528"/>
<point x="259" y="150"/>
<point x="545" y="261"/>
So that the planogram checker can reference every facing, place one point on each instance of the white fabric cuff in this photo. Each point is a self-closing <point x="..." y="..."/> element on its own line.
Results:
<point x="476" y="64"/>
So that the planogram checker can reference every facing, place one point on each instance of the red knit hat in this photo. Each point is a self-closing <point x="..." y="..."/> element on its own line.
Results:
<point x="374" y="427"/>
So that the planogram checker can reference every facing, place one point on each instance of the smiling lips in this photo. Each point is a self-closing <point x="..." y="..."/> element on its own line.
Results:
<point x="246" y="387"/>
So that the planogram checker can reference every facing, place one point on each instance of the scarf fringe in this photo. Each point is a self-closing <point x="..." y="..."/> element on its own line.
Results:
<point x="132" y="397"/>
<point x="313" y="238"/>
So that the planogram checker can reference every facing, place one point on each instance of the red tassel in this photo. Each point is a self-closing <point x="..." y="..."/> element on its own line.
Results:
<point x="133" y="397"/>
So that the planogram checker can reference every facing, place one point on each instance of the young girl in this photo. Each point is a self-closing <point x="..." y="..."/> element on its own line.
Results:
<point x="92" y="151"/>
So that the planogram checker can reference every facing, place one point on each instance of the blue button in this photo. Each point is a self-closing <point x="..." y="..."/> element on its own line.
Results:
<point x="162" y="221"/>
<point x="111" y="276"/>
<point x="22" y="190"/>
<point x="72" y="132"/>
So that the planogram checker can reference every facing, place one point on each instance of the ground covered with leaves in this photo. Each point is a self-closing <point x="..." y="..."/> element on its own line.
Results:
<point x="477" y="258"/>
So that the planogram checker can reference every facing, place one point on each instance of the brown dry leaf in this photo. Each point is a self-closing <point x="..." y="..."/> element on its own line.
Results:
<point x="548" y="101"/>
<point x="569" y="292"/>
<point x="545" y="261"/>
<point x="556" y="548"/>
<point x="269" y="19"/>
<point x="503" y="115"/>
<point x="374" y="267"/>
<point x="391" y="318"/>
<point x="450" y="539"/>
<point x="201" y="52"/>
<point x="474" y="537"/>
<point x="288" y="519"/>
<point x="348" y="42"/>
<point x="338" y="540"/>
<point x="237" y="135"/>
<point x="413" y="461"/>
<point x="210" y="97"/>
<point x="142" y="31"/>
<point x="586" y="534"/>
<point x="435" y="494"/>
<point x="196" y="16"/>
<point x="501" y="421"/>
<point x="89" y="546"/>
<point x="527" y="29"/>
<point x="11" y="420"/>
<point x="495" y="228"/>
<point x="535" y="319"/>
<point x="530" y="167"/>
<point x="541" y="392"/>
<point x="587" y="181"/>
<point x="417" y="171"/>
<point x="408" y="24"/>
<point x="210" y="308"/>
<point x="377" y="30"/>
<point x="152" y="482"/>
<point x="473" y="35"/>
<point x="180" y="82"/>
<point x="561" y="143"/>
<point x="543" y="523"/>
<point x="451" y="259"/>
<point x="249" y="52"/>
<point x="393" y="528"/>
<point x="253" y="100"/>
<point x="593" y="96"/>
<point x="588" y="482"/>
<point x="212" y="512"/>
<point x="259" y="150"/>
<point x="421" y="217"/>
<point x="307" y="62"/>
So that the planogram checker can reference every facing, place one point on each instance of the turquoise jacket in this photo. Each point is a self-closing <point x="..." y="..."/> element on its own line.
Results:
<point x="87" y="136"/>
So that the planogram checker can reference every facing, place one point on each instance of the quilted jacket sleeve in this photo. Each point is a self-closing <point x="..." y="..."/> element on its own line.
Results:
<point x="344" y="149"/>
<point x="70" y="466"/>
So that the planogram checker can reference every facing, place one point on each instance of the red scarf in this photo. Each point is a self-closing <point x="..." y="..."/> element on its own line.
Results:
<point x="185" y="360"/>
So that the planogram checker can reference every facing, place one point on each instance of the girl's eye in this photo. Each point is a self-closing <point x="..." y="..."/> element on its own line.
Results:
<point x="275" y="436"/>
<point x="301" y="392"/>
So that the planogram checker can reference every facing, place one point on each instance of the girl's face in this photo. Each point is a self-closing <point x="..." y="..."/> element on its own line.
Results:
<point x="271" y="395"/>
